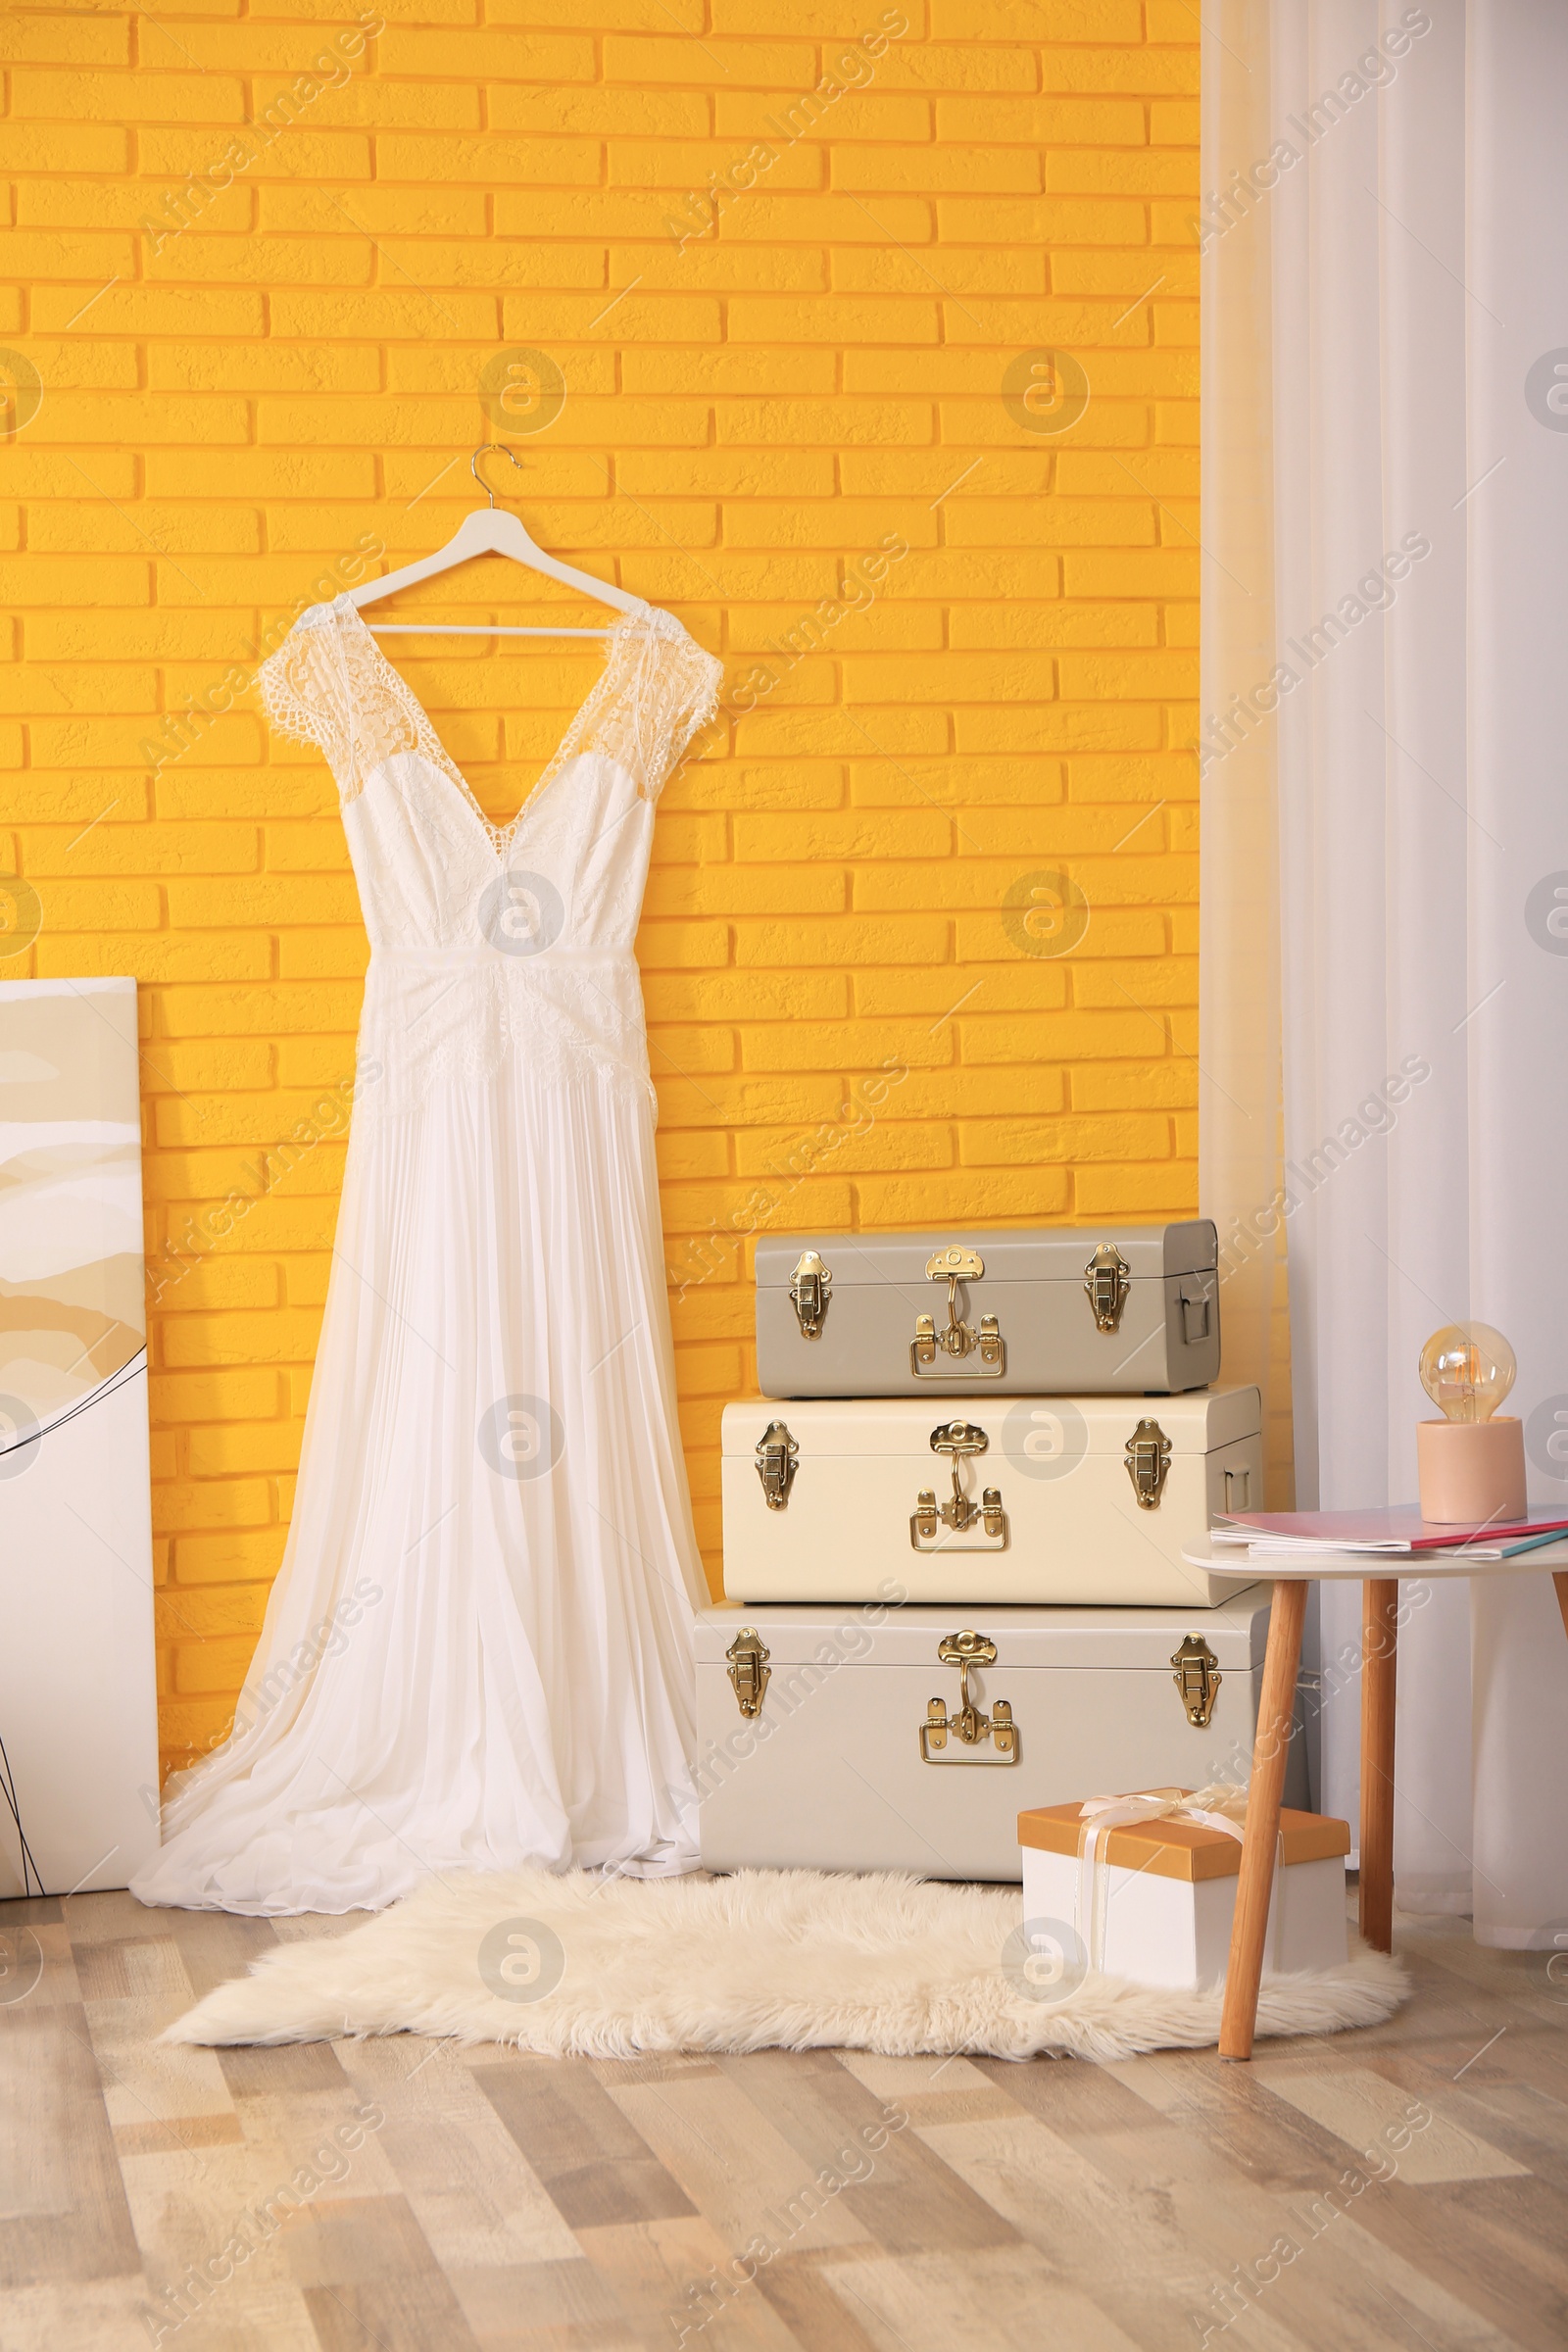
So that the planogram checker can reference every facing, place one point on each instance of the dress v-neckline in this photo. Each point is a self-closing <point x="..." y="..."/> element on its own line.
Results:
<point x="500" y="837"/>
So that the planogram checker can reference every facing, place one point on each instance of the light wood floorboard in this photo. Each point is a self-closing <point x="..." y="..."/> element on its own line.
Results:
<point x="410" y="2196"/>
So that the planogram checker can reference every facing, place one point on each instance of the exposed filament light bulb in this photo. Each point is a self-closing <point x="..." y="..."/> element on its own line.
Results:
<point x="1467" y="1369"/>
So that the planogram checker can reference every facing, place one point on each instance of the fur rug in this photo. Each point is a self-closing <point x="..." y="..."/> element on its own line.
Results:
<point x="582" y="1965"/>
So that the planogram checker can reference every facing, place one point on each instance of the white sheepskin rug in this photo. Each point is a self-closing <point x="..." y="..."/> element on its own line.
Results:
<point x="584" y="1966"/>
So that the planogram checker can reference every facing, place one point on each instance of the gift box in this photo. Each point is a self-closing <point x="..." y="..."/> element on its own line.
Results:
<point x="1144" y="1886"/>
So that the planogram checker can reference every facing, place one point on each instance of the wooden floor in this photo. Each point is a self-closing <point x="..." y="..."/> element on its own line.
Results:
<point x="419" y="2197"/>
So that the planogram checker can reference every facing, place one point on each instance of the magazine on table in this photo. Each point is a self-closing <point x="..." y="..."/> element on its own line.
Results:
<point x="1393" y="1527"/>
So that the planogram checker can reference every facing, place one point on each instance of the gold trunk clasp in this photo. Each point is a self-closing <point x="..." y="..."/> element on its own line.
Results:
<point x="969" y="1725"/>
<point x="1197" y="1678"/>
<point x="1147" y="1461"/>
<point x="1105" y="1280"/>
<point x="954" y="1264"/>
<point x="810" y="1287"/>
<point x="777" y="1455"/>
<point x="748" y="1669"/>
<point x="958" y="1440"/>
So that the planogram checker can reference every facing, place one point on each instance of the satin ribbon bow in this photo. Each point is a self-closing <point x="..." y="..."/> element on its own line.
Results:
<point x="1220" y="1806"/>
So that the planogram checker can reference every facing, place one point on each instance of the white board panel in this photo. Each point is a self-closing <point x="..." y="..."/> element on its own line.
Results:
<point x="77" y="1684"/>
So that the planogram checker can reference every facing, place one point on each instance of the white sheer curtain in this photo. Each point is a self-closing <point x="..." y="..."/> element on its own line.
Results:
<point x="1383" y="750"/>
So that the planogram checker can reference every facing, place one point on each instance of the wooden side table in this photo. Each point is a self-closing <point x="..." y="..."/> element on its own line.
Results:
<point x="1292" y="1573"/>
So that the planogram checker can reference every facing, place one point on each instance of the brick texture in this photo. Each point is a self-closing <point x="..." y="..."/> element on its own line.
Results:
<point x="792" y="269"/>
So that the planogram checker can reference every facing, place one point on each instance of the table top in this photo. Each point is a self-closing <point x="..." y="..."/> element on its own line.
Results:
<point x="1294" y="1567"/>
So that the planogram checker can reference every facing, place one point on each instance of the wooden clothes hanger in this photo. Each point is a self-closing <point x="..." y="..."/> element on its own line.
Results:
<point x="488" y="531"/>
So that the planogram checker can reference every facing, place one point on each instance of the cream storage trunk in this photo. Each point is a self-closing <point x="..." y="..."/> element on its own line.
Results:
<point x="1155" y="1903"/>
<point x="839" y="1738"/>
<point x="1130" y="1309"/>
<point x="1027" y="1499"/>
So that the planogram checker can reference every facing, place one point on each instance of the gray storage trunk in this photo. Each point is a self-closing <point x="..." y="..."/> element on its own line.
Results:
<point x="834" y="1738"/>
<point x="1035" y="1311"/>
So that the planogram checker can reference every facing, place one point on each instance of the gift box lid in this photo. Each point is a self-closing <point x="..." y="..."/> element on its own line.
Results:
<point x="1180" y="1849"/>
<point x="1015" y="1254"/>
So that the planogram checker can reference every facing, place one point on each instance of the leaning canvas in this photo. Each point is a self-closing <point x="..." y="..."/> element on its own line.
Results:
<point x="77" y="1687"/>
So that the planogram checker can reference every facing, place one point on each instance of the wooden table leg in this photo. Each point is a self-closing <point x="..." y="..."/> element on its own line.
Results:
<point x="1276" y="1717"/>
<point x="1380" y="1603"/>
<point x="1560" y="1580"/>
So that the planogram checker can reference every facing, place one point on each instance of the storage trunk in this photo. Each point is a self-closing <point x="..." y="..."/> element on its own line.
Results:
<point x="1129" y="1309"/>
<point x="1157" y="1903"/>
<point x="1028" y="1499"/>
<point x="867" y="1738"/>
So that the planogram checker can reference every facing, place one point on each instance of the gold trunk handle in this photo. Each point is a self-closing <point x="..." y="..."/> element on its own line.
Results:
<point x="970" y="1726"/>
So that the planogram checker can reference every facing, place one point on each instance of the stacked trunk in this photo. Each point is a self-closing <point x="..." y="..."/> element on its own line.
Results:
<point x="954" y="1529"/>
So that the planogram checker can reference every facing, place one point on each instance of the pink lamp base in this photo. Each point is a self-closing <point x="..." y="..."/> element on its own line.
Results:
<point x="1471" y="1470"/>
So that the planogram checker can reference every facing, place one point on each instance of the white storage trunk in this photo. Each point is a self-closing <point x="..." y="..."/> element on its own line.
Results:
<point x="1056" y="1500"/>
<point x="1156" y="1919"/>
<point x="839" y="1765"/>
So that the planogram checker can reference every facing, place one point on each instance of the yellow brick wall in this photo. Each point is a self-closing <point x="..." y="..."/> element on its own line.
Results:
<point x="762" y="387"/>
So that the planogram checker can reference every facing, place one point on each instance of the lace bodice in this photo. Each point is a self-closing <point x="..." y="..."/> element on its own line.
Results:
<point x="330" y="684"/>
<point x="487" y="940"/>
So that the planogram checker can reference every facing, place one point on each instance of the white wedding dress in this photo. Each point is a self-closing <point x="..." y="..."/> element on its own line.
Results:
<point x="478" y="1650"/>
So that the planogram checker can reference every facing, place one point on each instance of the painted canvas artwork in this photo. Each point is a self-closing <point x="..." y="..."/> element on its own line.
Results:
<point x="73" y="1317"/>
<point x="77" y="1703"/>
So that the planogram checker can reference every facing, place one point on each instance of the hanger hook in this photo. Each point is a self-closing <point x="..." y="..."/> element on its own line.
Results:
<point x="483" y="450"/>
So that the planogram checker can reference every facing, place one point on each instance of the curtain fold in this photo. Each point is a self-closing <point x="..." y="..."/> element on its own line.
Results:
<point x="1239" y="1012"/>
<point x="1387" y="194"/>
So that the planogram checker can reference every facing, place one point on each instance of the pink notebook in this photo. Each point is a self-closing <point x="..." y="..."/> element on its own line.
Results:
<point x="1389" y="1527"/>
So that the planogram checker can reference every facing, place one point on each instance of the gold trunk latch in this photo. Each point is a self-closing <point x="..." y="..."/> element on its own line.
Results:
<point x="1106" y="1279"/>
<point x="777" y="1455"/>
<point x="968" y="1726"/>
<point x="954" y="1264"/>
<point x="810" y="1287"/>
<point x="1197" y="1678"/>
<point x="958" y="1440"/>
<point x="747" y="1670"/>
<point x="1147" y="1460"/>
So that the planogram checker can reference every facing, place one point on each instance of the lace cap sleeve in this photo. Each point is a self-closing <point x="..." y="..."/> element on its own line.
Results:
<point x="694" y="700"/>
<point x="327" y="684"/>
<point x="658" y="688"/>
<point x="304" y="694"/>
